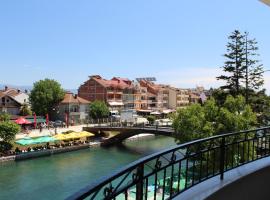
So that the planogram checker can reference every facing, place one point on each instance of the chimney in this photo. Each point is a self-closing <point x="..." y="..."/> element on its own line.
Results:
<point x="6" y="88"/>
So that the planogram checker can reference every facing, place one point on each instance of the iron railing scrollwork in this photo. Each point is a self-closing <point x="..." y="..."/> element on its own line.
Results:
<point x="166" y="174"/>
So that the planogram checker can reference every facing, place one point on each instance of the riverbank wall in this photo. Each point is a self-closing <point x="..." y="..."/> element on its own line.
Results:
<point x="50" y="152"/>
<point x="46" y="152"/>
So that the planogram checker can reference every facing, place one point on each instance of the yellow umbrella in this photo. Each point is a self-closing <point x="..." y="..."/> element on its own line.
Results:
<point x="86" y="134"/>
<point x="73" y="135"/>
<point x="60" y="137"/>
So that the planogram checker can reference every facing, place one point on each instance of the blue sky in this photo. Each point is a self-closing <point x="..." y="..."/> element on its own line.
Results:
<point x="179" y="42"/>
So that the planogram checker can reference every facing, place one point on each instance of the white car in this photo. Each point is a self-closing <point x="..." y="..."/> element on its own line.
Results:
<point x="163" y="122"/>
<point x="141" y="120"/>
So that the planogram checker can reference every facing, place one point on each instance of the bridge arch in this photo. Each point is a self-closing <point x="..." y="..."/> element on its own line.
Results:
<point x="127" y="132"/>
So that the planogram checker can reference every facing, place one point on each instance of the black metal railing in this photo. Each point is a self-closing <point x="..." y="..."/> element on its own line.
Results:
<point x="113" y="122"/>
<point x="167" y="174"/>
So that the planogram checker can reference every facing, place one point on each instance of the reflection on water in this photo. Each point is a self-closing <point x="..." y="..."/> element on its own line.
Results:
<point x="60" y="175"/>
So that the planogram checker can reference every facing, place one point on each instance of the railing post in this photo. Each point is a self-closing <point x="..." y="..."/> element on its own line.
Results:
<point x="139" y="185"/>
<point x="222" y="158"/>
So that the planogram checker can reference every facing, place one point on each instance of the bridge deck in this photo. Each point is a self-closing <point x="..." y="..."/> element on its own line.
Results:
<point x="126" y="132"/>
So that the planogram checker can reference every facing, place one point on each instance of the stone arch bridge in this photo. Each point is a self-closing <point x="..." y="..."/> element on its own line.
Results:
<point x="127" y="132"/>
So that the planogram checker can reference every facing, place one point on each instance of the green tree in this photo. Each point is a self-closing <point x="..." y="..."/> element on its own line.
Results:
<point x="235" y="115"/>
<point x="192" y="123"/>
<point x="198" y="121"/>
<point x="151" y="119"/>
<point x="8" y="130"/>
<point x="253" y="69"/>
<point x="235" y="63"/>
<point x="98" y="109"/>
<point x="45" y="96"/>
<point x="25" y="110"/>
<point x="4" y="117"/>
<point x="260" y="104"/>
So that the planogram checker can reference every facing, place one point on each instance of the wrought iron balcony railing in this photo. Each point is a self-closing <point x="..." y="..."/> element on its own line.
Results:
<point x="167" y="174"/>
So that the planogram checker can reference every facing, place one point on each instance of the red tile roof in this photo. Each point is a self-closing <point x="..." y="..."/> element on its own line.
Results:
<point x="116" y="82"/>
<point x="70" y="98"/>
<point x="151" y="87"/>
<point x="10" y="92"/>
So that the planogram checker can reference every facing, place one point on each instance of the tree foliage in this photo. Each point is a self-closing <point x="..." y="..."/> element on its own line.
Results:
<point x="25" y="110"/>
<point x="8" y="130"/>
<point x="151" y="119"/>
<point x="254" y="69"/>
<point x="45" y="95"/>
<point x="4" y="117"/>
<point x="197" y="121"/>
<point x="98" y="109"/>
<point x="234" y="64"/>
<point x="260" y="104"/>
<point x="242" y="69"/>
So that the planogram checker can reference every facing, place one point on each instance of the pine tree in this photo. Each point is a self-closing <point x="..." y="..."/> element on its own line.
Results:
<point x="253" y="69"/>
<point x="235" y="63"/>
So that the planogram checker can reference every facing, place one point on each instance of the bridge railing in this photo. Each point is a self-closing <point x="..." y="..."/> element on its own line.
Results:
<point x="111" y="122"/>
<point x="167" y="174"/>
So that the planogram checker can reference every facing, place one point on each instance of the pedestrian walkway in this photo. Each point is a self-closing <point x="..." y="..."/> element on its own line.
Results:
<point x="51" y="131"/>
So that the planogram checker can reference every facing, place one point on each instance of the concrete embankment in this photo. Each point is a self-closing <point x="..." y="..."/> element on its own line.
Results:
<point x="47" y="152"/>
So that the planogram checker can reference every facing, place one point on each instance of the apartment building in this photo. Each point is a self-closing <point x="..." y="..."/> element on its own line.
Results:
<point x="121" y="93"/>
<point x="178" y="97"/>
<point x="165" y="96"/>
<point x="118" y="93"/>
<point x="140" y="97"/>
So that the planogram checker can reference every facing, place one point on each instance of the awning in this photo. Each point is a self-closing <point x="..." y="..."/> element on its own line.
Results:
<point x="114" y="103"/>
<point x="168" y="111"/>
<point x="39" y="120"/>
<point x="146" y="111"/>
<point x="73" y="135"/>
<point x="30" y="141"/>
<point x="22" y="120"/>
<point x="155" y="113"/>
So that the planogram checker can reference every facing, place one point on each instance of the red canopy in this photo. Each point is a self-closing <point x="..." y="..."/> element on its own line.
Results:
<point x="22" y="120"/>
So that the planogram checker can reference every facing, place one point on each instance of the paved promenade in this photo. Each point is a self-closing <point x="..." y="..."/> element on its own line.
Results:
<point x="51" y="131"/>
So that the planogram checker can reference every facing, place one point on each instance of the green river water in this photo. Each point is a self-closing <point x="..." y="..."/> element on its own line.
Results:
<point x="58" y="176"/>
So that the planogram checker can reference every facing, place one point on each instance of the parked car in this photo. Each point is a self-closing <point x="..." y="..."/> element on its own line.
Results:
<point x="114" y="115"/>
<point x="58" y="123"/>
<point x="163" y="122"/>
<point x="141" y="120"/>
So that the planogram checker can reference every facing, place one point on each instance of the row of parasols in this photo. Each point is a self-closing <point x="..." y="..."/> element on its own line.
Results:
<point x="58" y="137"/>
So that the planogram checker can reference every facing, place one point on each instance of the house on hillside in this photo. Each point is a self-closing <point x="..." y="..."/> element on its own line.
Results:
<point x="11" y="100"/>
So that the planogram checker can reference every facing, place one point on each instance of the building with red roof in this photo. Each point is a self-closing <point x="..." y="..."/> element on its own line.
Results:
<point x="73" y="108"/>
<point x="11" y="100"/>
<point x="118" y="92"/>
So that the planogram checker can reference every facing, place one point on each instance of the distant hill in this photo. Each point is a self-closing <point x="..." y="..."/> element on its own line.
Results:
<point x="21" y="87"/>
<point x="29" y="88"/>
